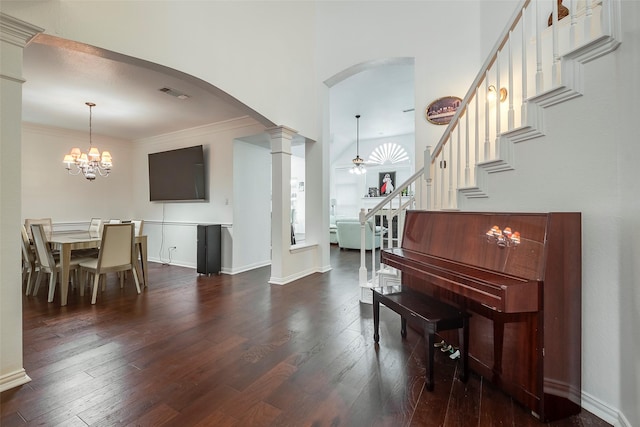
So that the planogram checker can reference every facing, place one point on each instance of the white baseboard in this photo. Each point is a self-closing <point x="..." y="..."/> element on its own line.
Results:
<point x="13" y="379"/>
<point x="603" y="411"/>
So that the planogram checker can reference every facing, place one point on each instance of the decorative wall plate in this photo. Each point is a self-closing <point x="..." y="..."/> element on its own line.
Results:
<point x="440" y="111"/>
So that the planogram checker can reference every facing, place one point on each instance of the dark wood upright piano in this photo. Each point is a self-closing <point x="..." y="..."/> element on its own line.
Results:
<point x="519" y="275"/>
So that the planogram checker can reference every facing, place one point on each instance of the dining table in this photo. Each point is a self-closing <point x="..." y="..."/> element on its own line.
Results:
<point x="68" y="241"/>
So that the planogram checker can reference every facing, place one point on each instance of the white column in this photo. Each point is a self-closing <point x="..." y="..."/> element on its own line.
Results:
<point x="281" y="137"/>
<point x="14" y="35"/>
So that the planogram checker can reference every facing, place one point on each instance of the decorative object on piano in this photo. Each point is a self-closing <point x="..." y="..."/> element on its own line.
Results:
<point x="358" y="167"/>
<point x="442" y="110"/>
<point x="385" y="182"/>
<point x="563" y="12"/>
<point x="503" y="238"/>
<point x="90" y="164"/>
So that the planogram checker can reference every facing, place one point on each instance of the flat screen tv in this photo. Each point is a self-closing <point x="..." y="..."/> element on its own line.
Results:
<point x="177" y="175"/>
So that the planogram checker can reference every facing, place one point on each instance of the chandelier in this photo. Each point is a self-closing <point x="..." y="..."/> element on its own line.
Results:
<point x="358" y="167"/>
<point x="90" y="164"/>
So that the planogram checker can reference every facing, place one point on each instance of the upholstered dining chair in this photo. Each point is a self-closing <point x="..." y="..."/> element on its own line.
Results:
<point x="117" y="254"/>
<point x="47" y="263"/>
<point x="46" y="222"/>
<point x="95" y="225"/>
<point x="29" y="262"/>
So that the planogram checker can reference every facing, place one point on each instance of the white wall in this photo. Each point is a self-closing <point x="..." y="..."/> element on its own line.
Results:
<point x="252" y="206"/>
<point x="588" y="162"/>
<point x="348" y="189"/>
<point x="258" y="52"/>
<point x="174" y="224"/>
<point x="48" y="191"/>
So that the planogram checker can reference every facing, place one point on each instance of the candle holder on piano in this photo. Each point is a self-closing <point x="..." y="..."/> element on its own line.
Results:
<point x="503" y="238"/>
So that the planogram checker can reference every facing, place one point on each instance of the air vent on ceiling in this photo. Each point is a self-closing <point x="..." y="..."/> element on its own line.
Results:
<point x="174" y="92"/>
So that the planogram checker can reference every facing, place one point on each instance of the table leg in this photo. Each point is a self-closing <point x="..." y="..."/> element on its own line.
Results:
<point x="65" y="261"/>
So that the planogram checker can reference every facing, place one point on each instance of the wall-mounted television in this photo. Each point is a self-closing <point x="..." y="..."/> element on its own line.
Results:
<point x="177" y="175"/>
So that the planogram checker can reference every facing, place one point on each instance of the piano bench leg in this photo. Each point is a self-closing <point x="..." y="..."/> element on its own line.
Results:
<point x="376" y="318"/>
<point x="429" y="338"/>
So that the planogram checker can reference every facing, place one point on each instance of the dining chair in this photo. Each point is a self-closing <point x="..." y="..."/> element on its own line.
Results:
<point x="29" y="262"/>
<point x="94" y="225"/>
<point x="46" y="222"/>
<point x="117" y="254"/>
<point x="138" y="225"/>
<point x="47" y="263"/>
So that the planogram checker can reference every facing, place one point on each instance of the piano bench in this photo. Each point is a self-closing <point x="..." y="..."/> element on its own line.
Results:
<point x="434" y="315"/>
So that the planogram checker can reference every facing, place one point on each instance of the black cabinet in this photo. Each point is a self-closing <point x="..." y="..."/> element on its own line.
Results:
<point x="209" y="249"/>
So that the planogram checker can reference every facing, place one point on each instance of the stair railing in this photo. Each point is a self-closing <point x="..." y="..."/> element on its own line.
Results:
<point x="383" y="216"/>
<point x="532" y="66"/>
<point x="536" y="63"/>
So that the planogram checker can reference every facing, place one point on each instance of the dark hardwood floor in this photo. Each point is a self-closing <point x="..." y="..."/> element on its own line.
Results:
<point x="236" y="351"/>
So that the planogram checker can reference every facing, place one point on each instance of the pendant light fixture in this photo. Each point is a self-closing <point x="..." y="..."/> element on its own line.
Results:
<point x="358" y="167"/>
<point x="89" y="164"/>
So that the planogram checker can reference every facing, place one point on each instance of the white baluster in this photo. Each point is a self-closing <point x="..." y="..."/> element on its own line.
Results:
<point x="574" y="22"/>
<point x="427" y="177"/>
<point x="498" y="110"/>
<point x="487" y="146"/>
<point x="458" y="180"/>
<point x="362" y="273"/>
<point x="605" y="17"/>
<point x="467" y="172"/>
<point x="477" y="126"/>
<point x="524" y="72"/>
<point x="587" y="20"/>
<point x="539" y="75"/>
<point x="555" y="67"/>
<point x="511" y="113"/>
<point x="449" y="165"/>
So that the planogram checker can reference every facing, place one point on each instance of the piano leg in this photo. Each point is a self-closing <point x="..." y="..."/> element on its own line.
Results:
<point x="430" y="340"/>
<point x="463" y="337"/>
<point x="403" y="327"/>
<point x="498" y="342"/>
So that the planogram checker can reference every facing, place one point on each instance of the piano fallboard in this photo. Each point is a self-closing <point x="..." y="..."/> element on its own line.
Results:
<point x="497" y="291"/>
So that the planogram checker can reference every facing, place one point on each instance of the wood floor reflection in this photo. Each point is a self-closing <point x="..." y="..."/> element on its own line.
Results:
<point x="236" y="351"/>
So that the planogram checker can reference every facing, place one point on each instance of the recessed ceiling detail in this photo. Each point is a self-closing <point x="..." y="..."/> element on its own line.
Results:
<point x="389" y="152"/>
<point x="174" y="92"/>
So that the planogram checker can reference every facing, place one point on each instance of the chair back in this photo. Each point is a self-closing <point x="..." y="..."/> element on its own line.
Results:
<point x="95" y="225"/>
<point x="46" y="222"/>
<point x="27" y="252"/>
<point x="43" y="253"/>
<point x="138" y="225"/>
<point x="116" y="247"/>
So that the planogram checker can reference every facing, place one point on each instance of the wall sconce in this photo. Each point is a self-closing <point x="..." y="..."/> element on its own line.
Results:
<point x="491" y="96"/>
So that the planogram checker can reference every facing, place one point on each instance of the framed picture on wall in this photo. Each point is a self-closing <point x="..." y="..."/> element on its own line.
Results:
<point x="386" y="182"/>
<point x="440" y="111"/>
